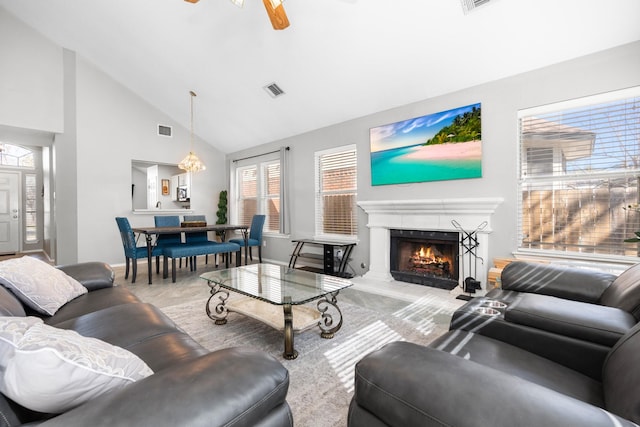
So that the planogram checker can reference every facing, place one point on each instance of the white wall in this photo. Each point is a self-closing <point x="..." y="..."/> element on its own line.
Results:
<point x="115" y="126"/>
<point x="99" y="127"/>
<point x="605" y="71"/>
<point x="30" y="78"/>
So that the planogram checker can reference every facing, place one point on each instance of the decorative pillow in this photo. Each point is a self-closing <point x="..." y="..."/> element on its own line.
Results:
<point x="53" y="370"/>
<point x="12" y="329"/>
<point x="39" y="285"/>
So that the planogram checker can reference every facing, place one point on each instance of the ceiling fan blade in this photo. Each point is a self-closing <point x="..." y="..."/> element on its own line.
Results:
<point x="277" y="15"/>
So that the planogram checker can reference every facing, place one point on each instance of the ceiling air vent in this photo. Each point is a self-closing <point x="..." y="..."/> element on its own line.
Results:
<point x="164" y="130"/>
<point x="274" y="90"/>
<point x="469" y="5"/>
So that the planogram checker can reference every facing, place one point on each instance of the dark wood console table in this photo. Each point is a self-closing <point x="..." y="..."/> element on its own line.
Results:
<point x="334" y="257"/>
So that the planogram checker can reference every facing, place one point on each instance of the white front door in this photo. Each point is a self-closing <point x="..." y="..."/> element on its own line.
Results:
<point x="9" y="212"/>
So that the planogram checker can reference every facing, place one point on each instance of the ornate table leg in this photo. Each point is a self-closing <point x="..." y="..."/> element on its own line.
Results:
<point x="219" y="315"/>
<point x="289" y="352"/>
<point x="326" y="322"/>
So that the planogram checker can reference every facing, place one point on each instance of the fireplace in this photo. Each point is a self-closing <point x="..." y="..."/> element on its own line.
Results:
<point x="427" y="258"/>
<point x="429" y="214"/>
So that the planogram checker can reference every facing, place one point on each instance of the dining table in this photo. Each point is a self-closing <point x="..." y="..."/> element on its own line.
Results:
<point x="220" y="229"/>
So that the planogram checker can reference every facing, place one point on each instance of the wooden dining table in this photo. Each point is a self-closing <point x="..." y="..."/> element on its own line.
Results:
<point x="221" y="229"/>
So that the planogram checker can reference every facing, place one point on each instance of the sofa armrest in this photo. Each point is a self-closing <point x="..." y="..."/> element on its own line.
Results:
<point x="559" y="281"/>
<point x="407" y="384"/>
<point x="92" y="275"/>
<point x="235" y="386"/>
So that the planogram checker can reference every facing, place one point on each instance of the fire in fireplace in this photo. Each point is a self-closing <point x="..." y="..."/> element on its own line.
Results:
<point x="425" y="257"/>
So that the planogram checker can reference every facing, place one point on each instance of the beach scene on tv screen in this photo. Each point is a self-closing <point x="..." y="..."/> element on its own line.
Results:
<point x="440" y="146"/>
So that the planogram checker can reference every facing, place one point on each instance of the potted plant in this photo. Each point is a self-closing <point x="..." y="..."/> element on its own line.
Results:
<point x="222" y="210"/>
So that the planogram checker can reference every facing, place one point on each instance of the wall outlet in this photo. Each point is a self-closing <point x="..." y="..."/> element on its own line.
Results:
<point x="264" y="243"/>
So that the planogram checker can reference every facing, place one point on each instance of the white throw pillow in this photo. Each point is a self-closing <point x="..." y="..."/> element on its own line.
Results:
<point x="53" y="370"/>
<point x="12" y="329"/>
<point x="39" y="285"/>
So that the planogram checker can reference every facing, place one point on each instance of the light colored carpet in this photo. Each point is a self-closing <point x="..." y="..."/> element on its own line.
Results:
<point x="321" y="378"/>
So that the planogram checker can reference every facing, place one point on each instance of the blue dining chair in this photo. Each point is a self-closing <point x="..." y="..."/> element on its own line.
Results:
<point x="132" y="252"/>
<point x="195" y="238"/>
<point x="255" y="236"/>
<point x="164" y="240"/>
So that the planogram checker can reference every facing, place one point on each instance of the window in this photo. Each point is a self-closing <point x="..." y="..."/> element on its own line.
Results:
<point x="579" y="175"/>
<point x="259" y="193"/>
<point x="16" y="156"/>
<point x="30" y="209"/>
<point x="336" y="193"/>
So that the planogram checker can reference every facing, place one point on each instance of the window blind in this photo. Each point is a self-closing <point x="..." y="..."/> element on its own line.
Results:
<point x="579" y="173"/>
<point x="259" y="193"/>
<point x="247" y="194"/>
<point x="336" y="192"/>
<point x="272" y="197"/>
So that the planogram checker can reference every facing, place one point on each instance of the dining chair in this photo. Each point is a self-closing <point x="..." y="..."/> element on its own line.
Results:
<point x="255" y="236"/>
<point x="165" y="240"/>
<point x="203" y="237"/>
<point x="132" y="252"/>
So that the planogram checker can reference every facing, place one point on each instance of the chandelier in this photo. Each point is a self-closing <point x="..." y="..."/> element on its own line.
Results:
<point x="191" y="163"/>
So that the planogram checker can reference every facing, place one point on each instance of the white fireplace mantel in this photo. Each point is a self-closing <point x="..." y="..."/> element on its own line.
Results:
<point x="428" y="214"/>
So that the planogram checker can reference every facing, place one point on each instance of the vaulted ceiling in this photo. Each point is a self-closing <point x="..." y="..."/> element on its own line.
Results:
<point x="338" y="60"/>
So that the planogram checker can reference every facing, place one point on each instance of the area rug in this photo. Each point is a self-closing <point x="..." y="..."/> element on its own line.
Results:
<point x="321" y="378"/>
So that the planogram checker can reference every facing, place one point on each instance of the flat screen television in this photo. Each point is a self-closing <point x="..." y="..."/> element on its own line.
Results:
<point x="436" y="147"/>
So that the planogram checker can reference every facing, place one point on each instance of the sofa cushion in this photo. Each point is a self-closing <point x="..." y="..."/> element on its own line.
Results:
<point x="39" y="285"/>
<point x="92" y="302"/>
<point x="166" y="350"/>
<point x="560" y="281"/>
<point x="52" y="370"/>
<point x="521" y="363"/>
<point x="584" y="321"/>
<point x="155" y="338"/>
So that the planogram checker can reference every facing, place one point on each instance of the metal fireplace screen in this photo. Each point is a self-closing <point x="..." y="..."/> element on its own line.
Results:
<point x="427" y="258"/>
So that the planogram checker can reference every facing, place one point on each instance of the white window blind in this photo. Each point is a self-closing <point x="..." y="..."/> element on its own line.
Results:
<point x="259" y="193"/>
<point x="247" y="193"/>
<point x="271" y="209"/>
<point x="579" y="173"/>
<point x="336" y="193"/>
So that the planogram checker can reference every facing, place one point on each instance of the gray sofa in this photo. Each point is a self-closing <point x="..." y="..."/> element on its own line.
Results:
<point x="551" y="355"/>
<point x="190" y="386"/>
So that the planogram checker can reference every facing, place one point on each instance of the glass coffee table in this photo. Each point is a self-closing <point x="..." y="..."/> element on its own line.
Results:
<point x="265" y="287"/>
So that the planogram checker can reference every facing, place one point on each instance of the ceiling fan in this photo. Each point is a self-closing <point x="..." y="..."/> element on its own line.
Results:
<point x="275" y="10"/>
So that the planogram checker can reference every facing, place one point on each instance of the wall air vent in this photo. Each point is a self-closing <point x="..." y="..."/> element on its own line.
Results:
<point x="470" y="5"/>
<point x="165" y="130"/>
<point x="273" y="90"/>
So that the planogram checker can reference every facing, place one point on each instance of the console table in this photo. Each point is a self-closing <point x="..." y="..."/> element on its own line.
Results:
<point x="334" y="257"/>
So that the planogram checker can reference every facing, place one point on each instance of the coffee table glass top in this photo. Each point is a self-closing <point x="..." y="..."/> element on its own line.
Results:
<point x="276" y="284"/>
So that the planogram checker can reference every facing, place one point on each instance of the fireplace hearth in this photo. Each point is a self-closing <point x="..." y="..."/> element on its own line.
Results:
<point x="427" y="258"/>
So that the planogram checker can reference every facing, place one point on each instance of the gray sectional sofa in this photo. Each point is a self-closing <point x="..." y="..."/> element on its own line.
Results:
<point x="189" y="386"/>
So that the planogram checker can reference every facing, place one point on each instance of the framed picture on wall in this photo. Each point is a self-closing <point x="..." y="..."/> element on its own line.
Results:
<point x="440" y="146"/>
<point x="165" y="187"/>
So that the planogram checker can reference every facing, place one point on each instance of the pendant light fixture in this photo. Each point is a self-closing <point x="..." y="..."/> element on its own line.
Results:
<point x="191" y="163"/>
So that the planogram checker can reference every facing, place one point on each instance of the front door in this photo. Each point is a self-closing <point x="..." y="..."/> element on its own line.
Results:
<point x="9" y="212"/>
